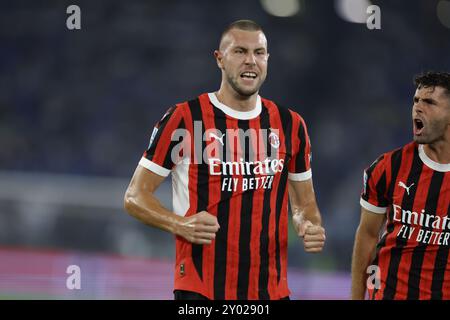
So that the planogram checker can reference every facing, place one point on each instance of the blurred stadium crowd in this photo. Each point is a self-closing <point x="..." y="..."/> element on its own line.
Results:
<point x="78" y="105"/>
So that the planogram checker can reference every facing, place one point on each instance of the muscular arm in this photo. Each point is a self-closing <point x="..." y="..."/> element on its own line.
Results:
<point x="141" y="203"/>
<point x="306" y="216"/>
<point x="366" y="239"/>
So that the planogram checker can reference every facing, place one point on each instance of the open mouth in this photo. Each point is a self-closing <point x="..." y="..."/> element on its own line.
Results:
<point x="418" y="126"/>
<point x="249" y="75"/>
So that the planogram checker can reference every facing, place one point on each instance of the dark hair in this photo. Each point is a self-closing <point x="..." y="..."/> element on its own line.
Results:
<point x="433" y="79"/>
<point x="247" y="25"/>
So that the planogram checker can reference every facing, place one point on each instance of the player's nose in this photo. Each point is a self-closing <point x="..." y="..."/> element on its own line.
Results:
<point x="417" y="108"/>
<point x="250" y="59"/>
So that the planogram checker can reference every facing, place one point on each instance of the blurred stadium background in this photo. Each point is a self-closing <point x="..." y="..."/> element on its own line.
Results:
<point x="77" y="109"/>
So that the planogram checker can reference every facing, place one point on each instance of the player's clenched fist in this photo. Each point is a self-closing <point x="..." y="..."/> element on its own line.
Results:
<point x="199" y="228"/>
<point x="313" y="236"/>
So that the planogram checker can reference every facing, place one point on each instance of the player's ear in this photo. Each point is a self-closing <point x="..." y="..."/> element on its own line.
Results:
<point x="218" y="55"/>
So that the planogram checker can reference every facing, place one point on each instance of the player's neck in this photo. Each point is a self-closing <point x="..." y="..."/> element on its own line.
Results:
<point x="438" y="152"/>
<point x="236" y="101"/>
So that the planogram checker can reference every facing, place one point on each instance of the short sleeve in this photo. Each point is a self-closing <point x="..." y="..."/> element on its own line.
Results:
<point x="300" y="163"/>
<point x="374" y="192"/>
<point x="159" y="156"/>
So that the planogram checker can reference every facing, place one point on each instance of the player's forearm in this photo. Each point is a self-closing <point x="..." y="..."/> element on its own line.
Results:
<point x="303" y="202"/>
<point x="313" y="214"/>
<point x="150" y="211"/>
<point x="362" y="254"/>
<point x="309" y="212"/>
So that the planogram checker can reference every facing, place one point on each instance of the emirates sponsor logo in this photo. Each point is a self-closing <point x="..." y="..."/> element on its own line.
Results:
<point x="266" y="167"/>
<point x="245" y="159"/>
<point x="422" y="226"/>
<point x="246" y="175"/>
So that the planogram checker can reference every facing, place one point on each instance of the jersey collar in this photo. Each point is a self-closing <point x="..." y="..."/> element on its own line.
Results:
<point x="432" y="164"/>
<point x="241" y="115"/>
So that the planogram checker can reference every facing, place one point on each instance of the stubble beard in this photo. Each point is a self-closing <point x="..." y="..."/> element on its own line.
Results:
<point x="436" y="133"/>
<point x="242" y="92"/>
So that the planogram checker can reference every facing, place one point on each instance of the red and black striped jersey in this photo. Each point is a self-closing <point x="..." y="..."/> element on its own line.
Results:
<point x="234" y="165"/>
<point x="412" y="254"/>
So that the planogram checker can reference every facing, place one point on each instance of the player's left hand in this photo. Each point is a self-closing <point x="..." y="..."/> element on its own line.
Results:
<point x="313" y="236"/>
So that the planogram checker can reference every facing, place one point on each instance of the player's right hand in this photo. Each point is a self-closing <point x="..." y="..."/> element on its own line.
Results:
<point x="199" y="228"/>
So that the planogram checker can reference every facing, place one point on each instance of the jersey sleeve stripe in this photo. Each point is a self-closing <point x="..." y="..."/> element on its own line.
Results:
<point x="156" y="168"/>
<point x="303" y="176"/>
<point x="367" y="205"/>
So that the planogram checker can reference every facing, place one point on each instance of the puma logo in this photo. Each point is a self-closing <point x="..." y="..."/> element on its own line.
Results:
<point x="401" y="184"/>
<point x="216" y="137"/>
